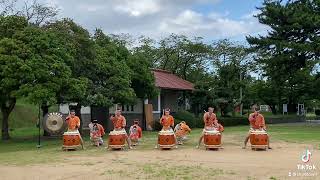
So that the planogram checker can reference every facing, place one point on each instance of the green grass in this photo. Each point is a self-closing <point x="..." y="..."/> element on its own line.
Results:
<point x="265" y="114"/>
<point x="21" y="149"/>
<point x="298" y="133"/>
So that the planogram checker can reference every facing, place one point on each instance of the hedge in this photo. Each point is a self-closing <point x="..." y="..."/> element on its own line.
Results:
<point x="197" y="122"/>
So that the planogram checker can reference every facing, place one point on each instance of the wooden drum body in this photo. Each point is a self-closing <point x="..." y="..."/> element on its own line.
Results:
<point x="117" y="139"/>
<point x="259" y="139"/>
<point x="71" y="140"/>
<point x="166" y="139"/>
<point x="212" y="139"/>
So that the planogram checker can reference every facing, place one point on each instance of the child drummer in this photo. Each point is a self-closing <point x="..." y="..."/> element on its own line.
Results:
<point x="181" y="130"/>
<point x="96" y="132"/>
<point x="257" y="122"/>
<point x="135" y="132"/>
<point x="210" y="124"/>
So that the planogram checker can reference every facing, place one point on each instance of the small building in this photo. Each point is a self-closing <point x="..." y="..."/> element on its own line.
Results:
<point x="172" y="94"/>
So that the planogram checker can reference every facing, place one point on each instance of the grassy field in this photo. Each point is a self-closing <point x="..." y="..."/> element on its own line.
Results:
<point x="21" y="149"/>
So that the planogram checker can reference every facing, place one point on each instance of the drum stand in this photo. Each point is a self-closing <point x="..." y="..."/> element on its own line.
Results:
<point x="257" y="147"/>
<point x="75" y="147"/>
<point x="115" y="147"/>
<point x="66" y="148"/>
<point x="166" y="146"/>
<point x="215" y="147"/>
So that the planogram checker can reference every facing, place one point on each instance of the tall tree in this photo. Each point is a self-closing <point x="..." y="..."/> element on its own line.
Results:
<point x="32" y="65"/>
<point x="13" y="72"/>
<point x="110" y="80"/>
<point x="231" y="64"/>
<point x="291" y="48"/>
<point x="80" y="46"/>
<point x="182" y="55"/>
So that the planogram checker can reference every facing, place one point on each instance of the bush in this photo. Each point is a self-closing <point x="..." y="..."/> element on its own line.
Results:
<point x="317" y="112"/>
<point x="186" y="116"/>
<point x="233" y="121"/>
<point x="225" y="121"/>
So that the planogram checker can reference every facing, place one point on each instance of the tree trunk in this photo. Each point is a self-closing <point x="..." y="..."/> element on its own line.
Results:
<point x="45" y="110"/>
<point x="5" y="125"/>
<point x="143" y="123"/>
<point x="6" y="109"/>
<point x="273" y="109"/>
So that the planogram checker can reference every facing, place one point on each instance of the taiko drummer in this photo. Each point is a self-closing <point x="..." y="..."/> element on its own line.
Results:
<point x="73" y="123"/>
<point x="210" y="124"/>
<point x="119" y="123"/>
<point x="167" y="122"/>
<point x="257" y="122"/>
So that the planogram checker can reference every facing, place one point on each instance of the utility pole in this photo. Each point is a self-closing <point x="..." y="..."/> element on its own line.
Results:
<point x="240" y="94"/>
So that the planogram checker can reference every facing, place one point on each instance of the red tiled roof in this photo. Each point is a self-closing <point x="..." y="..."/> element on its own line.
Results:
<point x="167" y="80"/>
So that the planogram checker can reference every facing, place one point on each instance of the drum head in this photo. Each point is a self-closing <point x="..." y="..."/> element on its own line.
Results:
<point x="71" y="133"/>
<point x="212" y="132"/>
<point x="117" y="132"/>
<point x="258" y="132"/>
<point x="166" y="132"/>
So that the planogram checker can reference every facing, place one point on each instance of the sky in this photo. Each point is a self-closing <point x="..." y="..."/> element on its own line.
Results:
<point x="210" y="19"/>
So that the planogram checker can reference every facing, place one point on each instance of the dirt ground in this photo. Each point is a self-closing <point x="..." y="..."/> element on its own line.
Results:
<point x="232" y="162"/>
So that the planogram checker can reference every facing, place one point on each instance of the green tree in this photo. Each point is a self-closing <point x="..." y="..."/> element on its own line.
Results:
<point x="143" y="81"/>
<point x="111" y="80"/>
<point x="13" y="72"/>
<point x="232" y="64"/>
<point x="78" y="43"/>
<point x="291" y="48"/>
<point x="32" y="65"/>
<point x="46" y="56"/>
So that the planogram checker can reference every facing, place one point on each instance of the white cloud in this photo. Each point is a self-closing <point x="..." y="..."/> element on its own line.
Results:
<point x="251" y="14"/>
<point x="158" y="18"/>
<point x="90" y="7"/>
<point x="213" y="25"/>
<point x="138" y="7"/>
